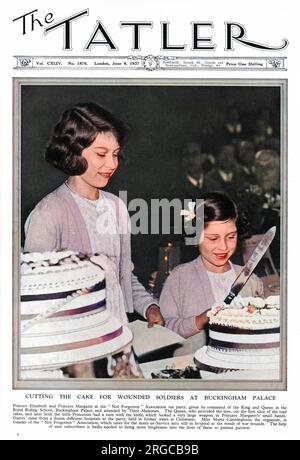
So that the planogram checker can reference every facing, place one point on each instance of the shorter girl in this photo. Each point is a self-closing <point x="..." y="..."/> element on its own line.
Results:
<point x="192" y="288"/>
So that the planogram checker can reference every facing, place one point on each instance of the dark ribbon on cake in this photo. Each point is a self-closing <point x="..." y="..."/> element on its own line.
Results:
<point x="236" y="330"/>
<point x="214" y="369"/>
<point x="74" y="311"/>
<point x="61" y="295"/>
<point x="74" y="345"/>
<point x="241" y="346"/>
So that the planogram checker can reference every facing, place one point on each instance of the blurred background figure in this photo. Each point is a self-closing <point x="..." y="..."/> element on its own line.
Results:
<point x="194" y="165"/>
<point x="267" y="170"/>
<point x="260" y="136"/>
<point x="264" y="113"/>
<point x="266" y="133"/>
<point x="233" y="128"/>
<point x="226" y="176"/>
<point x="260" y="201"/>
<point x="245" y="157"/>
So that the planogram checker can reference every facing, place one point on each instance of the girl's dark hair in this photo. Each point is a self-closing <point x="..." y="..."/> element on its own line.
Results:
<point x="218" y="206"/>
<point x="76" y="130"/>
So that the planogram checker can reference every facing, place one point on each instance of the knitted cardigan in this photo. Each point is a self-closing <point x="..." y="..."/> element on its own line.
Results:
<point x="187" y="293"/>
<point x="57" y="224"/>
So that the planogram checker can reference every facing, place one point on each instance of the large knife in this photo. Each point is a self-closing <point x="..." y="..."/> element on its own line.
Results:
<point x="248" y="268"/>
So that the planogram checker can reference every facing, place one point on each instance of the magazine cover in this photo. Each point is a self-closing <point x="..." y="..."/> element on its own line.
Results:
<point x="148" y="208"/>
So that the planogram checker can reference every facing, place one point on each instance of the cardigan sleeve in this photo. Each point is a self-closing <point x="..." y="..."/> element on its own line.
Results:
<point x="172" y="309"/>
<point x="141" y="298"/>
<point x="41" y="229"/>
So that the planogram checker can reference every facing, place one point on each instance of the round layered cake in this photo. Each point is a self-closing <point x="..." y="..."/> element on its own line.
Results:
<point x="243" y="336"/>
<point x="64" y="317"/>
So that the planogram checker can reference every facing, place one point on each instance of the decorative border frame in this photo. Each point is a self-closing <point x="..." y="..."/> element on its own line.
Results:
<point x="150" y="63"/>
<point x="170" y="385"/>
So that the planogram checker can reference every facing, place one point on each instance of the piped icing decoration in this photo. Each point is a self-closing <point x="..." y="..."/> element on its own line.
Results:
<point x="244" y="335"/>
<point x="252" y="313"/>
<point x="39" y="263"/>
<point x="213" y="311"/>
<point x="66" y="314"/>
<point x="244" y="319"/>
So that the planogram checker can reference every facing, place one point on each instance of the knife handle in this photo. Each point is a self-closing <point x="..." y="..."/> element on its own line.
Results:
<point x="229" y="298"/>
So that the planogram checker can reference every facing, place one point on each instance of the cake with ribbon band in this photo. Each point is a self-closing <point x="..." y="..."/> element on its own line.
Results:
<point x="64" y="314"/>
<point x="243" y="336"/>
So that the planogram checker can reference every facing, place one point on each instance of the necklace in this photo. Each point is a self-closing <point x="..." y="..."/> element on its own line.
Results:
<point x="81" y="196"/>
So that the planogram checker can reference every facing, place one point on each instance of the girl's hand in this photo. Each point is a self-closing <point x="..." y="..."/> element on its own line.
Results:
<point x="154" y="316"/>
<point x="203" y="319"/>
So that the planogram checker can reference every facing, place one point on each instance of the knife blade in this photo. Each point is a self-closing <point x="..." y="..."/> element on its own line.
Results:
<point x="250" y="265"/>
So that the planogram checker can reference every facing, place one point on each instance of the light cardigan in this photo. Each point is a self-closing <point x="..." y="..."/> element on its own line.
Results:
<point x="187" y="293"/>
<point x="56" y="224"/>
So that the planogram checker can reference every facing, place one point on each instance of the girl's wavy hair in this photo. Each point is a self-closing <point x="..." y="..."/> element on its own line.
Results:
<point x="218" y="207"/>
<point x="76" y="130"/>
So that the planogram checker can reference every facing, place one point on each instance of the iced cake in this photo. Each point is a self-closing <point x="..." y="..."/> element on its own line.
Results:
<point x="244" y="335"/>
<point x="64" y="317"/>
